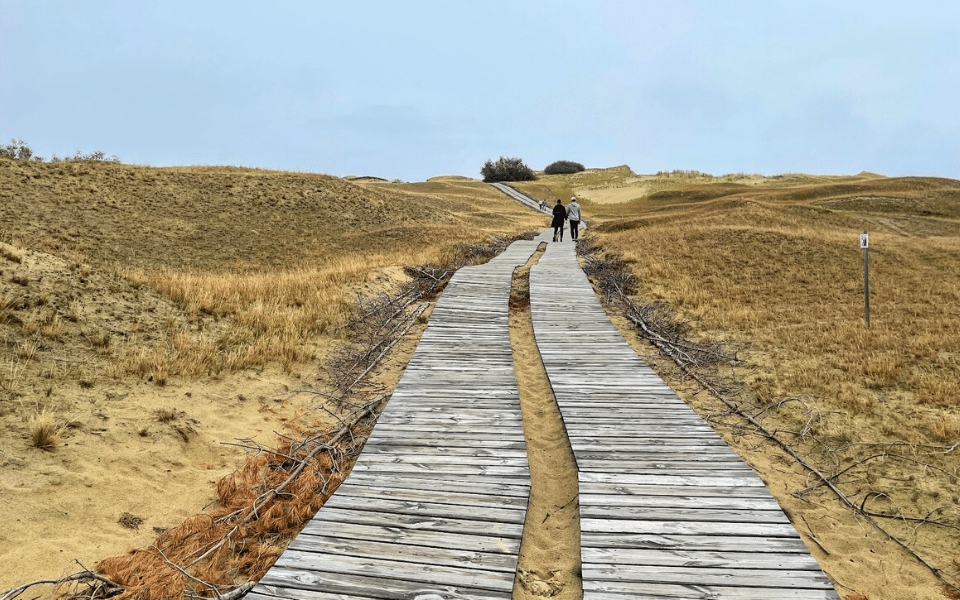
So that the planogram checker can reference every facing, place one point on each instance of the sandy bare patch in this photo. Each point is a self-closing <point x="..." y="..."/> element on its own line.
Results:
<point x="549" y="561"/>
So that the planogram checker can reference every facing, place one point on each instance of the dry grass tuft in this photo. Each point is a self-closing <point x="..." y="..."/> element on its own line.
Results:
<point x="166" y="415"/>
<point x="130" y="521"/>
<point x="44" y="431"/>
<point x="10" y="253"/>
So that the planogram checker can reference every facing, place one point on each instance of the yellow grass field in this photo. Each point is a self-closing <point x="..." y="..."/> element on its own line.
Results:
<point x="150" y="314"/>
<point x="773" y="265"/>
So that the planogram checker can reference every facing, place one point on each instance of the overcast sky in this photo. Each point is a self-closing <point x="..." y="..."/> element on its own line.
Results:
<point x="412" y="89"/>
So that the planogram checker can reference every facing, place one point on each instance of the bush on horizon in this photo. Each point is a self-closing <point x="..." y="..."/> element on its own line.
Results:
<point x="19" y="150"/>
<point x="506" y="169"/>
<point x="564" y="167"/>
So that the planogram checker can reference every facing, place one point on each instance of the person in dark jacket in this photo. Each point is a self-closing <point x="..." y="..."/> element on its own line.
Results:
<point x="559" y="216"/>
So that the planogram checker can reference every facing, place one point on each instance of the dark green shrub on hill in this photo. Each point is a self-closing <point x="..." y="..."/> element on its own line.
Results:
<point x="506" y="169"/>
<point x="564" y="167"/>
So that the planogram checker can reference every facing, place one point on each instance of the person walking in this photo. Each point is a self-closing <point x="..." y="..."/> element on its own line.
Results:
<point x="559" y="216"/>
<point x="573" y="214"/>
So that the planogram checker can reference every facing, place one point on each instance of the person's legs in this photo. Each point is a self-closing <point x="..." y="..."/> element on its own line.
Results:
<point x="574" y="230"/>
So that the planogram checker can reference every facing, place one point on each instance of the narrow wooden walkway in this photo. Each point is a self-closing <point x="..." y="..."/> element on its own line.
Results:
<point x="667" y="509"/>
<point x="522" y="198"/>
<point x="434" y="507"/>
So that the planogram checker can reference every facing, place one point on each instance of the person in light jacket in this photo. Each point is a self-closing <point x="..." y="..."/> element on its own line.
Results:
<point x="573" y="215"/>
<point x="559" y="216"/>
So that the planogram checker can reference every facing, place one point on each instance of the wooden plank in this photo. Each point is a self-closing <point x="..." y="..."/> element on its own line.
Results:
<point x="693" y="543"/>
<point x="611" y="500"/>
<point x="671" y="480"/>
<point x="466" y="542"/>
<point x="431" y="482"/>
<point x="340" y="546"/>
<point x="631" y="468"/>
<point x="705" y="559"/>
<point x="613" y="590"/>
<point x="421" y="508"/>
<point x="690" y="527"/>
<point x="612" y="490"/>
<point x="438" y="458"/>
<point x="455" y="469"/>
<point x="477" y="501"/>
<point x="410" y="446"/>
<point x="417" y="522"/>
<point x="709" y="576"/>
<point x="693" y="513"/>
<point x="282" y="582"/>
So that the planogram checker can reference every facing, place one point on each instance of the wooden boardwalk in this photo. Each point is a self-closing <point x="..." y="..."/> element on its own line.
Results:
<point x="434" y="507"/>
<point x="667" y="509"/>
<point x="522" y="198"/>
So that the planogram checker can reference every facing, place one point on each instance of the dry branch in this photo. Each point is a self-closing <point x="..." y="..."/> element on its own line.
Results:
<point x="97" y="586"/>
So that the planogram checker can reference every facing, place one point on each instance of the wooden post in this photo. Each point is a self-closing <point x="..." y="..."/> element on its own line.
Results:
<point x="865" y="244"/>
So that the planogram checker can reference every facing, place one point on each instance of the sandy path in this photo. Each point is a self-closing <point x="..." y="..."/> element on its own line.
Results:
<point x="549" y="561"/>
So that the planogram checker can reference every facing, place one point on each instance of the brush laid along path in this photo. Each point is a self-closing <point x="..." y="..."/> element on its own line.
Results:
<point x="435" y="505"/>
<point x="667" y="509"/>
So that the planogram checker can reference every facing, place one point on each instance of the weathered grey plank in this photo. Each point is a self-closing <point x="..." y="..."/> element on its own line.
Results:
<point x="487" y="542"/>
<point x="420" y="508"/>
<point x="458" y="498"/>
<point x="704" y="559"/>
<point x="440" y="484"/>
<point x="621" y="590"/>
<point x="691" y="543"/>
<point x="417" y="554"/>
<point x="309" y="585"/>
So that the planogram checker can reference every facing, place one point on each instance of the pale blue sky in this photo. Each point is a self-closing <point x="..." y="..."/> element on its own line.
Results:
<point x="411" y="89"/>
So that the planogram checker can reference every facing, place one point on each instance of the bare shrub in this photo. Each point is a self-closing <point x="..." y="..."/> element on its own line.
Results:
<point x="16" y="149"/>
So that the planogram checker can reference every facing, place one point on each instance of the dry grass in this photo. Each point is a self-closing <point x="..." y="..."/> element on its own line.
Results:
<point x="10" y="253"/>
<point x="127" y="288"/>
<point x="775" y="266"/>
<point x="182" y="273"/>
<point x="260" y="265"/>
<point x="44" y="430"/>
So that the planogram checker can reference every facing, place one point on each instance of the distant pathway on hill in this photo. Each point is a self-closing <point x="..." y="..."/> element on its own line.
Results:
<point x="520" y="197"/>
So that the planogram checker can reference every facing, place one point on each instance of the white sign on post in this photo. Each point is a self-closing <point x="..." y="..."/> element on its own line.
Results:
<point x="865" y="244"/>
